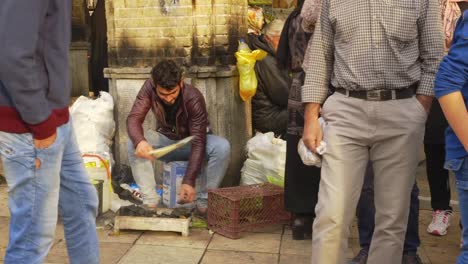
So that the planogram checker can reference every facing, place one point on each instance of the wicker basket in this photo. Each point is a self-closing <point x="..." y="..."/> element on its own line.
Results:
<point x="239" y="209"/>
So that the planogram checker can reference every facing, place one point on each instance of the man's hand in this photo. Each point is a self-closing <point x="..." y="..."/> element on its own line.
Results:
<point x="312" y="135"/>
<point x="142" y="150"/>
<point x="42" y="144"/>
<point x="46" y="142"/>
<point x="426" y="101"/>
<point x="187" y="194"/>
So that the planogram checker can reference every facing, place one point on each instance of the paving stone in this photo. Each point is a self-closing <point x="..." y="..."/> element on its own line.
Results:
<point x="198" y="238"/>
<point x="4" y="201"/>
<point x="295" y="247"/>
<point x="148" y="254"/>
<point x="353" y="232"/>
<point x="294" y="259"/>
<point x="109" y="253"/>
<point x="442" y="255"/>
<point x="4" y="227"/>
<point x="272" y="229"/>
<point x="349" y="253"/>
<point x="59" y="232"/>
<point x="422" y="254"/>
<point x="58" y="253"/>
<point x="353" y="244"/>
<point x="236" y="257"/>
<point x="305" y="259"/>
<point x="252" y="242"/>
<point x="124" y="236"/>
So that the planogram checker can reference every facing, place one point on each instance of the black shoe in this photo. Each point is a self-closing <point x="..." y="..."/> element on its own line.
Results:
<point x="360" y="258"/>
<point x="302" y="227"/>
<point x="308" y="221"/>
<point x="411" y="258"/>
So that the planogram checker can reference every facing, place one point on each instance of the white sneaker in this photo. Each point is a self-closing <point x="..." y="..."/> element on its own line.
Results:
<point x="440" y="222"/>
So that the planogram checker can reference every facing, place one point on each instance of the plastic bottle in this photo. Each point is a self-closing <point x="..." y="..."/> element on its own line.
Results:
<point x="243" y="47"/>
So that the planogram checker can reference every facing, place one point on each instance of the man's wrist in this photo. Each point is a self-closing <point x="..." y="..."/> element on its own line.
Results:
<point x="312" y="110"/>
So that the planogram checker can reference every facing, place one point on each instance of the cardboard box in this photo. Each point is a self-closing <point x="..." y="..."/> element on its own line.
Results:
<point x="173" y="175"/>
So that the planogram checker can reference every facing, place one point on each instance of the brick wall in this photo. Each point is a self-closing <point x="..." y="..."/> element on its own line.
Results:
<point x="192" y="32"/>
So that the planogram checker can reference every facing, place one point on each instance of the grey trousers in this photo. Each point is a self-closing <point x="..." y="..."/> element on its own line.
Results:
<point x="389" y="133"/>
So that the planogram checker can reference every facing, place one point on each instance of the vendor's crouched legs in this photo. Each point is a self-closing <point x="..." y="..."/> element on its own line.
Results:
<point x="217" y="155"/>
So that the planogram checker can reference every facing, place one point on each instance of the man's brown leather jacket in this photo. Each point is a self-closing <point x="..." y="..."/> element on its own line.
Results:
<point x="191" y="120"/>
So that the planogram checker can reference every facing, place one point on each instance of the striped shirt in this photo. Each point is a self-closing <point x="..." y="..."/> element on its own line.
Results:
<point x="373" y="44"/>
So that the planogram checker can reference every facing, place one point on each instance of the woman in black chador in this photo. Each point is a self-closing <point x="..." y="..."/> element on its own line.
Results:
<point x="301" y="182"/>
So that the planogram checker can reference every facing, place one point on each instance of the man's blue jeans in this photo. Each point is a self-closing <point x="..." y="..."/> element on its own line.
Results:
<point x="218" y="153"/>
<point x="460" y="169"/>
<point x="36" y="195"/>
<point x="366" y="211"/>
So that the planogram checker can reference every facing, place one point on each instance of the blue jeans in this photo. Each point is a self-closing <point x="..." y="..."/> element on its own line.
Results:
<point x="366" y="211"/>
<point x="460" y="169"/>
<point x="218" y="153"/>
<point x="36" y="195"/>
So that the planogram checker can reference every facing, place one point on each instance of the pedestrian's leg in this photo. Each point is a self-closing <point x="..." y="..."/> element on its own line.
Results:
<point x="437" y="176"/>
<point x="33" y="195"/>
<point x="78" y="205"/>
<point x="460" y="169"/>
<point x="339" y="191"/>
<point x="395" y="156"/>
<point x="343" y="168"/>
<point x="218" y="152"/>
<point x="365" y="210"/>
<point x="412" y="240"/>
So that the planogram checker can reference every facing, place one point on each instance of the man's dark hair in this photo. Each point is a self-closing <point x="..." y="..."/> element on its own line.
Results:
<point x="166" y="74"/>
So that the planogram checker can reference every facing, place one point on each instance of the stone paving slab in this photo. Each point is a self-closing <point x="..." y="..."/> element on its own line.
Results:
<point x="294" y="259"/>
<point x="4" y="201"/>
<point x="110" y="253"/>
<point x="148" y="254"/>
<point x="295" y="247"/>
<point x="271" y="229"/>
<point x="127" y="237"/>
<point x="4" y="222"/>
<point x="198" y="238"/>
<point x="251" y="242"/>
<point x="237" y="257"/>
<point x="272" y="244"/>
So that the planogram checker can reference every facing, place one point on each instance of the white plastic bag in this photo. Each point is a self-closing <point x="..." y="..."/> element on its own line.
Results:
<point x="266" y="160"/>
<point x="93" y="122"/>
<point x="308" y="157"/>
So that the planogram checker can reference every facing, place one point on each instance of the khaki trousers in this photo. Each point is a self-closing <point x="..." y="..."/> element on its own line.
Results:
<point x="389" y="133"/>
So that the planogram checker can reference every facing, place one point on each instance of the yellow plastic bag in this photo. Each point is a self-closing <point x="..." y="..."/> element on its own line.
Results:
<point x="245" y="65"/>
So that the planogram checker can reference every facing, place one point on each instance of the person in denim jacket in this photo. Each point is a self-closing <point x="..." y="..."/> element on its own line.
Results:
<point x="451" y="88"/>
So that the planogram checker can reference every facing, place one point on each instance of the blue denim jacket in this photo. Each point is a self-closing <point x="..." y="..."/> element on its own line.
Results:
<point x="453" y="77"/>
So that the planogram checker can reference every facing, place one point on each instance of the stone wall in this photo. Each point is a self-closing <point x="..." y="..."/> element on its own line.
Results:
<point x="192" y="32"/>
<point x="79" y="26"/>
<point x="202" y="35"/>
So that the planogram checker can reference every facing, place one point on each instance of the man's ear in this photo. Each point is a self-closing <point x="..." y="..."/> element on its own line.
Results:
<point x="181" y="83"/>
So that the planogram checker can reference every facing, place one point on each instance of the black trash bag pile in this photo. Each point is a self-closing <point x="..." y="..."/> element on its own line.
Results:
<point x="122" y="177"/>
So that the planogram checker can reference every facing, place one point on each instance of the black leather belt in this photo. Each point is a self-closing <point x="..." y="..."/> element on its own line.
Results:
<point x="381" y="95"/>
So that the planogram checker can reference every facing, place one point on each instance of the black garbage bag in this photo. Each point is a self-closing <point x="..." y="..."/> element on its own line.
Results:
<point x="122" y="177"/>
